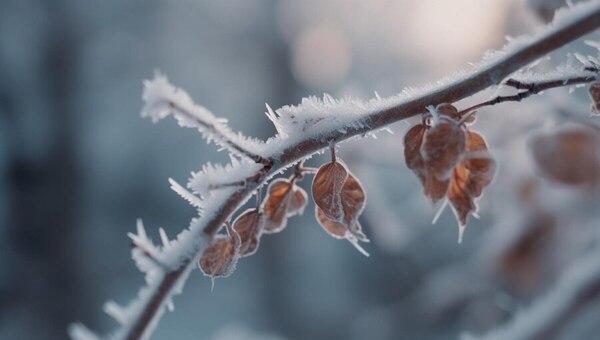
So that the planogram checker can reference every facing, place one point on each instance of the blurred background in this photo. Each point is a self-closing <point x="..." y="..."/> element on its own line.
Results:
<point x="78" y="166"/>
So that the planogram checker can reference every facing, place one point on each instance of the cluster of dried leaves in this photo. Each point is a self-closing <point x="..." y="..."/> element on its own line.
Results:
<point x="451" y="161"/>
<point x="284" y="199"/>
<point x="339" y="199"/>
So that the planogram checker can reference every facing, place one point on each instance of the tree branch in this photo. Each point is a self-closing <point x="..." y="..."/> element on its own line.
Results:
<point x="578" y="287"/>
<point x="152" y="300"/>
<point x="531" y="89"/>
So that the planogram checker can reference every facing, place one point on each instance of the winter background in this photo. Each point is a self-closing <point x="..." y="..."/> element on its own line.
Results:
<point x="78" y="165"/>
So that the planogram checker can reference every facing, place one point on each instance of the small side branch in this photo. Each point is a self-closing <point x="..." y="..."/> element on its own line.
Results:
<point x="530" y="89"/>
<point x="218" y="132"/>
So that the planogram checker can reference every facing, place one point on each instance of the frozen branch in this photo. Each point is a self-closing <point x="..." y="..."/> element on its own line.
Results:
<point x="532" y="88"/>
<point x="302" y="131"/>
<point x="578" y="287"/>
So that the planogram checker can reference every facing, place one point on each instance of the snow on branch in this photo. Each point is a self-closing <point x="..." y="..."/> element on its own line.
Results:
<point x="303" y="130"/>
<point x="161" y="99"/>
<point x="578" y="286"/>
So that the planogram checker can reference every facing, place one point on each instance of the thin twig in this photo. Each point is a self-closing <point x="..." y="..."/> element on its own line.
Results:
<point x="531" y="89"/>
<point x="213" y="129"/>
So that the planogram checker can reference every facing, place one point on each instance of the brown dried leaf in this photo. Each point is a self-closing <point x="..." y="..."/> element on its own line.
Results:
<point x="220" y="257"/>
<point x="458" y="194"/>
<point x="249" y="227"/>
<point x="569" y="154"/>
<point x="448" y="110"/>
<point x="275" y="205"/>
<point x="435" y="189"/>
<point x="443" y="147"/>
<point x="327" y="187"/>
<point x="297" y="202"/>
<point x="333" y="228"/>
<point x="412" y="151"/>
<point x="353" y="200"/>
<point x="340" y="231"/>
<point x="594" y="92"/>
<point x="480" y="164"/>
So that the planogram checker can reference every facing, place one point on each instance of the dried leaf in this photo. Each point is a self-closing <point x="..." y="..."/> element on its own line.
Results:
<point x="275" y="205"/>
<point x="569" y="154"/>
<point x="284" y="199"/>
<point x="340" y="231"/>
<point x="443" y="147"/>
<point x="412" y="151"/>
<point x="353" y="200"/>
<point x="458" y="194"/>
<point x="435" y="189"/>
<point x="594" y="92"/>
<point x="448" y="110"/>
<point x="524" y="262"/>
<point x="249" y="227"/>
<point x="333" y="228"/>
<point x="327" y="187"/>
<point x="220" y="257"/>
<point x="480" y="164"/>
<point x="297" y="202"/>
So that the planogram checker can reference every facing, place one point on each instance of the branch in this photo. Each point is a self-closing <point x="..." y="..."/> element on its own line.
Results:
<point x="578" y="287"/>
<point x="530" y="89"/>
<point x="311" y="127"/>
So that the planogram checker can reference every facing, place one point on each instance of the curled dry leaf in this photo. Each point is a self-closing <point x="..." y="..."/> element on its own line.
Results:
<point x="284" y="199"/>
<point x="341" y="231"/>
<point x="594" y="92"/>
<point x="412" y="151"/>
<point x="443" y="147"/>
<point x="220" y="257"/>
<point x="353" y="201"/>
<point x="479" y="162"/>
<point x="458" y="194"/>
<point x="249" y="227"/>
<point x="433" y="188"/>
<point x="327" y="187"/>
<point x="569" y="154"/>
<point x="298" y="202"/>
<point x="470" y="177"/>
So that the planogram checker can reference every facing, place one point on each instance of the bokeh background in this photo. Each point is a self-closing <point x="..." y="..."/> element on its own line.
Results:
<point x="78" y="166"/>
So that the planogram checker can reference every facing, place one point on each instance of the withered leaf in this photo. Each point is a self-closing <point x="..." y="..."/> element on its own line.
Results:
<point x="412" y="151"/>
<point x="275" y="205"/>
<point x="469" y="178"/>
<point x="298" y="202"/>
<point x="341" y="231"/>
<point x="458" y="194"/>
<point x="327" y="187"/>
<point x="249" y="227"/>
<point x="443" y="147"/>
<point x="435" y="189"/>
<point x="353" y="201"/>
<point x="284" y="199"/>
<point x="594" y="92"/>
<point x="220" y="257"/>
<point x="448" y="110"/>
<point x="568" y="154"/>
<point x="480" y="164"/>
